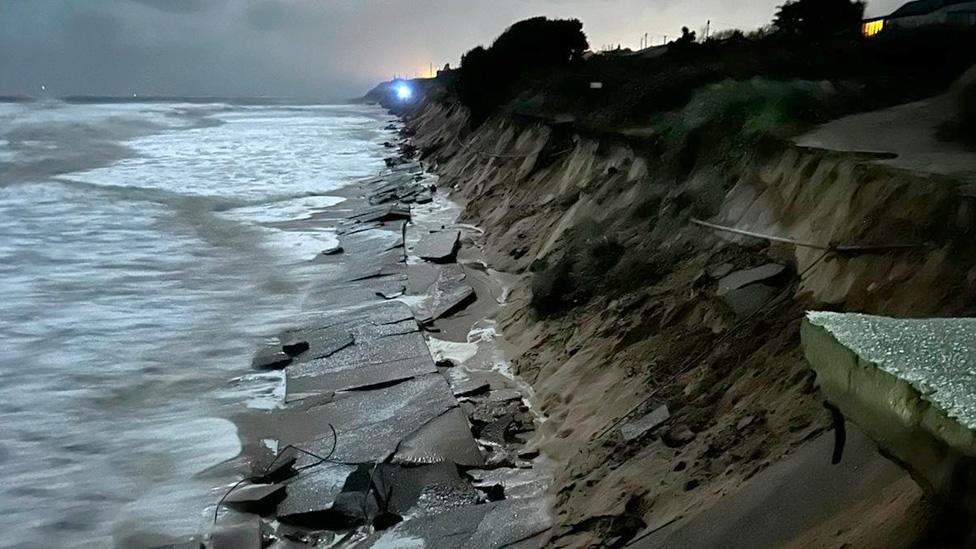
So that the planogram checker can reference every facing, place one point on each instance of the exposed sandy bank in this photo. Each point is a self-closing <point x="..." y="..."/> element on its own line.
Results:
<point x="655" y="327"/>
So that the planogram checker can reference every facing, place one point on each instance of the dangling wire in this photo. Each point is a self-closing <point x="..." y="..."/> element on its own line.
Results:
<point x="321" y="460"/>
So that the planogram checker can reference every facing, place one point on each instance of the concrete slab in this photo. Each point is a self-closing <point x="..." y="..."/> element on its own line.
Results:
<point x="449" y="294"/>
<point x="424" y="490"/>
<point x="370" y="424"/>
<point x="487" y="526"/>
<point x="371" y="362"/>
<point x="361" y="376"/>
<point x="380" y="214"/>
<point x="311" y="494"/>
<point x="748" y="299"/>
<point x="255" y="498"/>
<point x="321" y="342"/>
<point x="516" y="483"/>
<point x="743" y="278"/>
<point x="355" y="228"/>
<point x="910" y="383"/>
<point x="439" y="247"/>
<point x="387" y="263"/>
<point x="445" y="438"/>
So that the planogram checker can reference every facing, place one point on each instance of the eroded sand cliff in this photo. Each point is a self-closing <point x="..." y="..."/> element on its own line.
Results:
<point x="625" y="305"/>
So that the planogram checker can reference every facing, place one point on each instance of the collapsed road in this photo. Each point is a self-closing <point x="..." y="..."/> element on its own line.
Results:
<point x="375" y="444"/>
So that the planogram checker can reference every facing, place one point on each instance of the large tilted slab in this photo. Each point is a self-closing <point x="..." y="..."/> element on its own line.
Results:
<point x="387" y="347"/>
<point x="910" y="383"/>
<point x="449" y="294"/>
<point x="439" y="247"/>
<point x="413" y="419"/>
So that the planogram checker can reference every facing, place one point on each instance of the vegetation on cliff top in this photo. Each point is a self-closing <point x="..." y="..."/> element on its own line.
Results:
<point x="807" y="41"/>
<point x="488" y="74"/>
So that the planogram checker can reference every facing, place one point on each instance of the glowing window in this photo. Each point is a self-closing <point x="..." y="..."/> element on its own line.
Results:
<point x="872" y="27"/>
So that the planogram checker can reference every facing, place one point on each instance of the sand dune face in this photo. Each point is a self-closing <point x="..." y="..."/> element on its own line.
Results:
<point x="650" y="328"/>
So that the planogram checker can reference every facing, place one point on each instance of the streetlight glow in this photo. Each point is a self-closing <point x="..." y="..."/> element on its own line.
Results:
<point x="403" y="92"/>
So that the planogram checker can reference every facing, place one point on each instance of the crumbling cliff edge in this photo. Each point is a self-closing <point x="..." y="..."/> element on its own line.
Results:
<point x="657" y="315"/>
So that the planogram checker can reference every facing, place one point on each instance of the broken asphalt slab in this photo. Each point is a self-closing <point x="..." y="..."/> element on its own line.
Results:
<point x="444" y="438"/>
<point x="486" y="526"/>
<point x="439" y="247"/>
<point x="312" y="494"/>
<point x="449" y="294"/>
<point x="365" y="370"/>
<point x="387" y="347"/>
<point x="745" y="292"/>
<point x="370" y="423"/>
<point x="740" y="279"/>
<point x="380" y="214"/>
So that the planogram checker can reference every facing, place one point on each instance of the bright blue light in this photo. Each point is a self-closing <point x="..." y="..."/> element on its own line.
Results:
<point x="403" y="92"/>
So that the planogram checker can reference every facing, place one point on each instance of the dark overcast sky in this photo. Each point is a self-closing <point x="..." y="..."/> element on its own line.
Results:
<point x="328" y="49"/>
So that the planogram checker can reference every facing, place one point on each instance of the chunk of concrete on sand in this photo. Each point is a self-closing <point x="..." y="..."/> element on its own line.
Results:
<point x="407" y="419"/>
<point x="439" y="247"/>
<point x="747" y="291"/>
<point x="909" y="383"/>
<point x="740" y="279"/>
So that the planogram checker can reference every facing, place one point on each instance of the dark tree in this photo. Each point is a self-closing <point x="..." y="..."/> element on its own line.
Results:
<point x="819" y="18"/>
<point x="687" y="37"/>
<point x="541" y="42"/>
<point x="488" y="75"/>
<point x="476" y="87"/>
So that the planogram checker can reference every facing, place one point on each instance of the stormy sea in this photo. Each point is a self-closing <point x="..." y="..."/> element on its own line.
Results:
<point x="145" y="248"/>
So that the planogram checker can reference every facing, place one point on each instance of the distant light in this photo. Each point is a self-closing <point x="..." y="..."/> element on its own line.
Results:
<point x="403" y="92"/>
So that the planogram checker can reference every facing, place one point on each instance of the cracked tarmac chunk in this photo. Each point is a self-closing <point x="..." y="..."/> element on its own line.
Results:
<point x="440" y="247"/>
<point x="311" y="494"/>
<point x="445" y="438"/>
<point x="449" y="294"/>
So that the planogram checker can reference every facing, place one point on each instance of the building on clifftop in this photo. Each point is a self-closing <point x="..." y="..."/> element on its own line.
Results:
<point x="924" y="13"/>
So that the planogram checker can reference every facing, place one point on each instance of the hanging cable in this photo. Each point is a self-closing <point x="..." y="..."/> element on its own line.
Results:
<point x="321" y="460"/>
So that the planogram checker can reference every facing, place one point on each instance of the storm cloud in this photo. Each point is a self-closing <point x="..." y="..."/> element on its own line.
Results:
<point x="312" y="49"/>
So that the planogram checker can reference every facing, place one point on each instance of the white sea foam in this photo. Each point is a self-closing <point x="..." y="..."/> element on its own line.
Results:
<point x="145" y="252"/>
